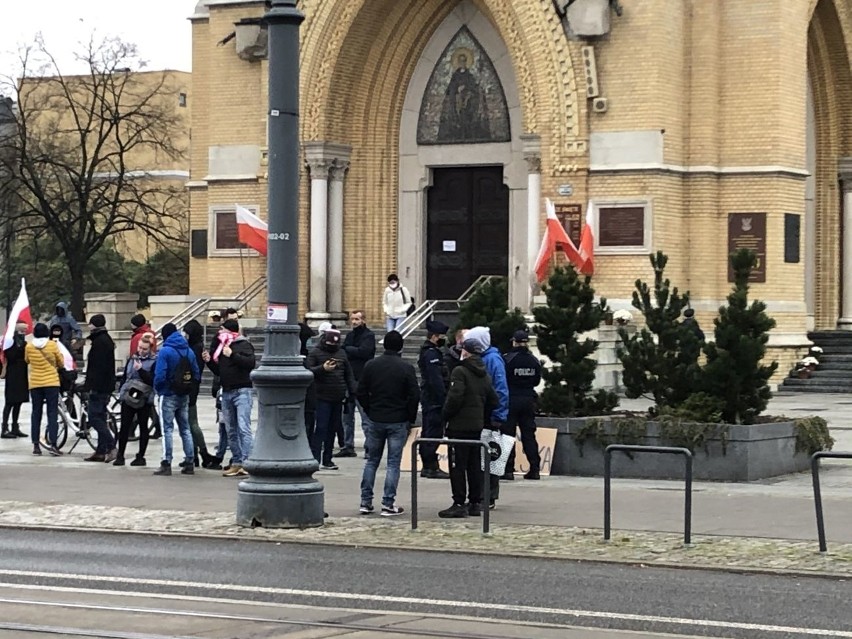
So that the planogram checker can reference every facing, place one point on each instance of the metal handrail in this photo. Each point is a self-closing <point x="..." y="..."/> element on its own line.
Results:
<point x="822" y="454"/>
<point x="477" y="284"/>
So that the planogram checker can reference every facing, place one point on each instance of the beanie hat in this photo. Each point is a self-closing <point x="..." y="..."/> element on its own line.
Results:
<point x="138" y="320"/>
<point x="168" y="330"/>
<point x="689" y="313"/>
<point x="394" y="342"/>
<point x="472" y="346"/>
<point x="41" y="330"/>
<point x="231" y="325"/>
<point x="98" y="321"/>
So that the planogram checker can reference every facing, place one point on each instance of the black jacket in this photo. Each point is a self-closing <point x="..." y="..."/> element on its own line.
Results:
<point x="195" y="337"/>
<point x="360" y="347"/>
<point x="100" y="365"/>
<point x="334" y="385"/>
<point x="235" y="371"/>
<point x="470" y="397"/>
<point x="434" y="377"/>
<point x="523" y="372"/>
<point x="387" y="390"/>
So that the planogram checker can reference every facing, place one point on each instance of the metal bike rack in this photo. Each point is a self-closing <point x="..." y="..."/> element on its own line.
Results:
<point x="486" y="479"/>
<point x="823" y="547"/>
<point x="687" y="454"/>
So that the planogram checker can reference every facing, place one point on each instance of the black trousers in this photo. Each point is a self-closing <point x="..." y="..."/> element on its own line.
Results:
<point x="142" y="416"/>
<point x="522" y="415"/>
<point x="433" y="428"/>
<point x="466" y="468"/>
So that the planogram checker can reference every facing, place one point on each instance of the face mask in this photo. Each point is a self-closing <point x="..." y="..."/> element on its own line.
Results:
<point x="331" y="348"/>
<point x="441" y="342"/>
<point x="394" y="285"/>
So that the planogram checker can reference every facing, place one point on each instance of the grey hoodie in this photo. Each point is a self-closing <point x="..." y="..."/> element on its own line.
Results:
<point x="70" y="328"/>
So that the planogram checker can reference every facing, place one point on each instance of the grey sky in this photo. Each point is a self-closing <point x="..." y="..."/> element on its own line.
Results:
<point x="158" y="27"/>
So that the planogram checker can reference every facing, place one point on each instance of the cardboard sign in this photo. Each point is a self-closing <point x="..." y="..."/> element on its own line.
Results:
<point x="546" y="438"/>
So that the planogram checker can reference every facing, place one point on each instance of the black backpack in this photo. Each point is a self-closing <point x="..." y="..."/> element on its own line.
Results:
<point x="182" y="380"/>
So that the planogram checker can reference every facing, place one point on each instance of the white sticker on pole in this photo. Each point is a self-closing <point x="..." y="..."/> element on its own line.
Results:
<point x="276" y="313"/>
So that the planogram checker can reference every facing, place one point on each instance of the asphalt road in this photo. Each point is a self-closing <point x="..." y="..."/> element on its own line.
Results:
<point x="428" y="587"/>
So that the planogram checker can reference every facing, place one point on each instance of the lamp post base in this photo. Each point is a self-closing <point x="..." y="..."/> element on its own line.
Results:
<point x="267" y="503"/>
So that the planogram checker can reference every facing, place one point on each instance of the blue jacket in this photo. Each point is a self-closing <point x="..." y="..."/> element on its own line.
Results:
<point x="496" y="368"/>
<point x="168" y="359"/>
<point x="70" y="327"/>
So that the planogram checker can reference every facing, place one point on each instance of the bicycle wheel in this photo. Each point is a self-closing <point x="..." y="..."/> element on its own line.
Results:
<point x="92" y="434"/>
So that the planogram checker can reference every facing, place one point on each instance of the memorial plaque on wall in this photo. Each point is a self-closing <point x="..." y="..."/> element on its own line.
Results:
<point x="571" y="216"/>
<point x="748" y="231"/>
<point x="621" y="226"/>
<point x="792" y="237"/>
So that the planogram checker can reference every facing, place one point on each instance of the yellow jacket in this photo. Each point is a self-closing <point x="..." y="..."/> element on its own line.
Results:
<point x="45" y="360"/>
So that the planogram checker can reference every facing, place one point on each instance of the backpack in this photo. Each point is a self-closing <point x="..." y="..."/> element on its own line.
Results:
<point x="182" y="381"/>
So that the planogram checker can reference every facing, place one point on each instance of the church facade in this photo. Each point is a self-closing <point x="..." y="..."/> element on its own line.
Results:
<point x="434" y="130"/>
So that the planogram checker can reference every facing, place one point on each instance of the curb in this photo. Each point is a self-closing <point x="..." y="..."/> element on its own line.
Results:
<point x="740" y="570"/>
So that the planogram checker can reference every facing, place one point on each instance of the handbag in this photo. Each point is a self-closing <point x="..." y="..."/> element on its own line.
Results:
<point x="136" y="393"/>
<point x="501" y="447"/>
<point x="412" y="306"/>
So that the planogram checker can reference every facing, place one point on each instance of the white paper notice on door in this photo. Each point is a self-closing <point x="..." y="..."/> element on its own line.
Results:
<point x="449" y="246"/>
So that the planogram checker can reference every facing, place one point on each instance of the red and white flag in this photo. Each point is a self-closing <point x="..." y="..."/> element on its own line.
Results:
<point x="586" y="265"/>
<point x="68" y="361"/>
<point x="251" y="230"/>
<point x="555" y="239"/>
<point x="20" y="313"/>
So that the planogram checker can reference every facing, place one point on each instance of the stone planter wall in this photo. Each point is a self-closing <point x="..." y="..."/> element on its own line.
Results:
<point x="752" y="452"/>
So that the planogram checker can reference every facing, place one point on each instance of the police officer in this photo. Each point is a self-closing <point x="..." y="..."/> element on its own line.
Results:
<point x="433" y="392"/>
<point x="523" y="373"/>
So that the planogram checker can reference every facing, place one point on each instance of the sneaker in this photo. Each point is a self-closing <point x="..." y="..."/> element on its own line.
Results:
<point x="331" y="466"/>
<point x="95" y="457"/>
<point x="119" y="461"/>
<point x="392" y="511"/>
<point x="492" y="505"/>
<point x="366" y="509"/>
<point x="243" y="472"/>
<point x="53" y="450"/>
<point x="507" y="476"/>
<point x="533" y="474"/>
<point x="234" y="470"/>
<point x="456" y="511"/>
<point x="139" y="461"/>
<point x="345" y="452"/>
<point x="111" y="455"/>
<point x="36" y="449"/>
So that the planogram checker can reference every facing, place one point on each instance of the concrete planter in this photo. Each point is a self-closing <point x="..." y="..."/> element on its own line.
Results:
<point x="751" y="453"/>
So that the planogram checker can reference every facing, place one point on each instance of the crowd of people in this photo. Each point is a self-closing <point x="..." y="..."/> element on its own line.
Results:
<point x="464" y="388"/>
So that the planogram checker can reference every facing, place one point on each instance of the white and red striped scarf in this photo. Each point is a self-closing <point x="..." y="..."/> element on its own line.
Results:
<point x="225" y="339"/>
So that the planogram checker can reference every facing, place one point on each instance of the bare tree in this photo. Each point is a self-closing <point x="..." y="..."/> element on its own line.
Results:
<point x="77" y="163"/>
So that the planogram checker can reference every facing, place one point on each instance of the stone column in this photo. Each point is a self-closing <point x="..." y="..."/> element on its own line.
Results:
<point x="319" y="169"/>
<point x="845" y="172"/>
<point x="532" y="155"/>
<point x="335" y="237"/>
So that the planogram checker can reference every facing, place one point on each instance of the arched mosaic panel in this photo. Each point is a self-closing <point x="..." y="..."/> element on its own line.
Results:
<point x="464" y="101"/>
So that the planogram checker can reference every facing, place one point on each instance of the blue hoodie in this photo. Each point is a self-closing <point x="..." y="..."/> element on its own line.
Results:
<point x="168" y="359"/>
<point x="496" y="368"/>
<point x="70" y="327"/>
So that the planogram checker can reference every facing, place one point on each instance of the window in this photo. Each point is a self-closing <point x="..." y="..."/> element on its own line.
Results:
<point x="222" y="233"/>
<point x="182" y="99"/>
<point x="622" y="226"/>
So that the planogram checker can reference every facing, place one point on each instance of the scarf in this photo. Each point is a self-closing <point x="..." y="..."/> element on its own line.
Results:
<point x="225" y="339"/>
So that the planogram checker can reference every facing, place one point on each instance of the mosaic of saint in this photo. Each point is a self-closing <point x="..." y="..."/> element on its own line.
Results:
<point x="464" y="101"/>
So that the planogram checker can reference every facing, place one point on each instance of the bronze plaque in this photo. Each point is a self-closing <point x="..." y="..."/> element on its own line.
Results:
<point x="748" y="231"/>
<point x="621" y="226"/>
<point x="571" y="218"/>
<point x="226" y="231"/>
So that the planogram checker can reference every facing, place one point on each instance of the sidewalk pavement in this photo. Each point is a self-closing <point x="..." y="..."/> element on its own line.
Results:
<point x="778" y="508"/>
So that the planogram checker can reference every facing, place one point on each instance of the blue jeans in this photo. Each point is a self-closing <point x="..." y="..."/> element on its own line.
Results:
<point x="392" y="322"/>
<point x="328" y="415"/>
<point x="395" y="435"/>
<point x="176" y="407"/>
<point x="349" y="424"/>
<point x="236" y="409"/>
<point x="97" y="412"/>
<point x="46" y="395"/>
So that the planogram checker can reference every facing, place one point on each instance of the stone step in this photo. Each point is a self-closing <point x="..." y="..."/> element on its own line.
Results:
<point x="843" y="348"/>
<point x="815" y="389"/>
<point x="832" y="358"/>
<point x="830" y="336"/>
<point x="838" y="373"/>
<point x="813" y="383"/>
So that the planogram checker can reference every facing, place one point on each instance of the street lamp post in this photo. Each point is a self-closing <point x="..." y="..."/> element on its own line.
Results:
<point x="281" y="491"/>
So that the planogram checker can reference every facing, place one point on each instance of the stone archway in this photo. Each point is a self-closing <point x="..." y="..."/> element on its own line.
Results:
<point x="828" y="266"/>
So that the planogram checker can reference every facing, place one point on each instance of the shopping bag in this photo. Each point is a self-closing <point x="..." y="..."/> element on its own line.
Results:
<point x="501" y="447"/>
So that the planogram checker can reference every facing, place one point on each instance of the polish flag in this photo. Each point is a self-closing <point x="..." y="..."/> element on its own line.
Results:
<point x="251" y="230"/>
<point x="555" y="239"/>
<point x="68" y="361"/>
<point x="20" y="313"/>
<point x="586" y="263"/>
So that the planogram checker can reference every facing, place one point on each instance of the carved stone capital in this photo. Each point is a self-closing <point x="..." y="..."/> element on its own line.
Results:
<point x="532" y="152"/>
<point x="338" y="170"/>
<point x="533" y="163"/>
<point x="319" y="168"/>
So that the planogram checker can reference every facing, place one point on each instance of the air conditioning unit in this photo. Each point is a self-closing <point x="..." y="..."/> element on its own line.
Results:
<point x="600" y="105"/>
<point x="252" y="39"/>
<point x="590" y="68"/>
